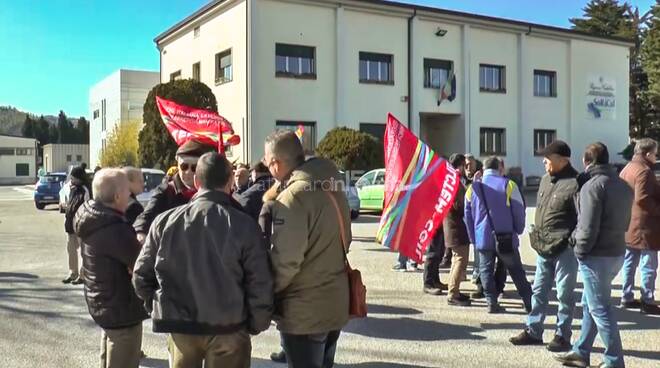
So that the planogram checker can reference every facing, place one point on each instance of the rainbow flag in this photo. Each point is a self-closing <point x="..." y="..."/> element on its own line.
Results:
<point x="419" y="191"/>
<point x="185" y="123"/>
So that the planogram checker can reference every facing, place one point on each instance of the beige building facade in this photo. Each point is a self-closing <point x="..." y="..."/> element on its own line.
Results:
<point x="328" y="63"/>
<point x="18" y="160"/>
<point x="60" y="157"/>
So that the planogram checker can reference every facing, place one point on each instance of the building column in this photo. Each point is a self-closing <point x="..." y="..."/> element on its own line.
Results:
<point x="341" y="82"/>
<point x="465" y="86"/>
<point x="524" y="93"/>
<point x="416" y="69"/>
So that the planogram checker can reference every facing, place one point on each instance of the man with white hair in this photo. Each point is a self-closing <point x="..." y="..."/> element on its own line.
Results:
<point x="176" y="192"/>
<point x="136" y="186"/>
<point x="109" y="250"/>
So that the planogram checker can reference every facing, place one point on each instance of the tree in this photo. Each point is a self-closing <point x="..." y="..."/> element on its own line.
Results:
<point x="28" y="128"/>
<point x="351" y="149"/>
<point x="121" y="147"/>
<point x="651" y="55"/>
<point x="83" y="130"/>
<point x="42" y="130"/>
<point x="156" y="146"/>
<point x="605" y="18"/>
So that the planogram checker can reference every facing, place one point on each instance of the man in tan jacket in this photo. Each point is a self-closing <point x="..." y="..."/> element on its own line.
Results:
<point x="311" y="284"/>
<point x="643" y="236"/>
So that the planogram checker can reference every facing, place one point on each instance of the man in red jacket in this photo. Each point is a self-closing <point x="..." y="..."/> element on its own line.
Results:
<point x="643" y="236"/>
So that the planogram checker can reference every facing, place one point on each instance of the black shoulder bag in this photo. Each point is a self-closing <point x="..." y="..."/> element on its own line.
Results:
<point x="503" y="241"/>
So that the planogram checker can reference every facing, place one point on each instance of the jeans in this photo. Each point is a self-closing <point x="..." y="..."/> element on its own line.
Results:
<point x="561" y="269"/>
<point x="514" y="265"/>
<point x="311" y="351"/>
<point x="598" y="317"/>
<point x="434" y="255"/>
<point x="649" y="270"/>
<point x="475" y="267"/>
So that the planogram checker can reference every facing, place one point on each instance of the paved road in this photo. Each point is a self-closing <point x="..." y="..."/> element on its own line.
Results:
<point x="44" y="323"/>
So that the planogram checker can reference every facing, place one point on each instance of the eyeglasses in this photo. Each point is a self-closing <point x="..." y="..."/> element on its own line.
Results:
<point x="184" y="167"/>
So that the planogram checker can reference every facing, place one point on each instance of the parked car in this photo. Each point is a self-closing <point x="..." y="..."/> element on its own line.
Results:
<point x="66" y="189"/>
<point x="656" y="170"/>
<point x="371" y="190"/>
<point x="152" y="179"/>
<point x="46" y="190"/>
<point x="352" y="196"/>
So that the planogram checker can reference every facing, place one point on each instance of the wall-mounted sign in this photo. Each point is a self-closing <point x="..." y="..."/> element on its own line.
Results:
<point x="601" y="98"/>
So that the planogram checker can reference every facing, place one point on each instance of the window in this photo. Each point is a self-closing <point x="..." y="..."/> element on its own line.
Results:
<point x="436" y="72"/>
<point x="295" y="61"/>
<point x="365" y="180"/>
<point x="23" y="151"/>
<point x="68" y="158"/>
<point x="542" y="138"/>
<point x="196" y="71"/>
<point x="545" y="83"/>
<point x="309" y="132"/>
<point x="79" y="158"/>
<point x="7" y="151"/>
<point x="377" y="131"/>
<point x="103" y="126"/>
<point x="22" y="169"/>
<point x="380" y="178"/>
<point x="223" y="67"/>
<point x="96" y="114"/>
<point x="196" y="32"/>
<point x="175" y="76"/>
<point x="492" y="78"/>
<point x="493" y="141"/>
<point x="376" y="68"/>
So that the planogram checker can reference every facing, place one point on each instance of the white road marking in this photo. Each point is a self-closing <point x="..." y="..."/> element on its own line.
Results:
<point x="24" y="190"/>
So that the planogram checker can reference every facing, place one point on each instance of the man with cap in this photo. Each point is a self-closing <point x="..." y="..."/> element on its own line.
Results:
<point x="78" y="195"/>
<point x="176" y="192"/>
<point x="554" y="222"/>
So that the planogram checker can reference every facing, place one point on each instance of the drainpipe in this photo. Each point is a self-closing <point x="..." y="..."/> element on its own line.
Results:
<point x="410" y="20"/>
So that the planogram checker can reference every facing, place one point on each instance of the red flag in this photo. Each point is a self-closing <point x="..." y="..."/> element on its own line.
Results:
<point x="419" y="191"/>
<point x="185" y="123"/>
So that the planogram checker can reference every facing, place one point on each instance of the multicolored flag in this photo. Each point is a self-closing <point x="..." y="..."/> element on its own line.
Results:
<point x="448" y="90"/>
<point x="419" y="191"/>
<point x="185" y="123"/>
<point x="300" y="131"/>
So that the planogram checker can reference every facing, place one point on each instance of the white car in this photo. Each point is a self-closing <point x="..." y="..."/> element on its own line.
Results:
<point x="152" y="179"/>
<point x="66" y="189"/>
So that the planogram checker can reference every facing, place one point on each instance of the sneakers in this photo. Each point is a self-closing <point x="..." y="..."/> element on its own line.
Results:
<point x="460" y="300"/>
<point x="79" y="280"/>
<point x="633" y="304"/>
<point x="445" y="264"/>
<point x="651" y="309"/>
<point x="278" y="357"/>
<point x="572" y="359"/>
<point x="441" y="286"/>
<point x="496" y="309"/>
<point x="559" y="344"/>
<point x="399" y="268"/>
<point x="432" y="290"/>
<point x="524" y="338"/>
<point x="411" y="267"/>
<point x="70" y="279"/>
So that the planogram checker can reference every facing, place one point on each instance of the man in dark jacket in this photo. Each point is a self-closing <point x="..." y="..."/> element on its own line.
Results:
<point x="176" y="192"/>
<point x="643" y="235"/>
<point x="252" y="198"/>
<point x="555" y="221"/>
<point x="110" y="248"/>
<point x="78" y="195"/>
<point x="204" y="269"/>
<point x="599" y="238"/>
<point x="136" y="186"/>
<point x="457" y="239"/>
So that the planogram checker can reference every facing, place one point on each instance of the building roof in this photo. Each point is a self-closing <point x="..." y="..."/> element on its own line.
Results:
<point x="413" y="7"/>
<point x="17" y="136"/>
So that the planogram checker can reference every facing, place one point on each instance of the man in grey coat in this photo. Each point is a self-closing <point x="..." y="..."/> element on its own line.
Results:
<point x="599" y="243"/>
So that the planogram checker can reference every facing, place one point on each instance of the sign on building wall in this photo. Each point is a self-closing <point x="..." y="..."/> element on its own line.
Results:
<point x="601" y="98"/>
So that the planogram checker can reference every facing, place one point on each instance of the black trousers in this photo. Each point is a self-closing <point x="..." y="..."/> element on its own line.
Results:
<point x="311" y="351"/>
<point x="434" y="256"/>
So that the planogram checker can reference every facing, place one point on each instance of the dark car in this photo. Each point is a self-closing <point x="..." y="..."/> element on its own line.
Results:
<point x="656" y="170"/>
<point x="47" y="189"/>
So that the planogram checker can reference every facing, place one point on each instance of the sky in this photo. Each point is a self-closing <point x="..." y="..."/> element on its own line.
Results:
<point x="53" y="51"/>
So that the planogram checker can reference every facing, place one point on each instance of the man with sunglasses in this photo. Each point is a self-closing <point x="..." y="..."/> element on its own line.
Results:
<point x="177" y="191"/>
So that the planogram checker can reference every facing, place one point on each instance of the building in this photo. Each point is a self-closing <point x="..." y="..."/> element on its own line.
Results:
<point x="60" y="157"/>
<point x="118" y="97"/>
<point x="328" y="63"/>
<point x="18" y="160"/>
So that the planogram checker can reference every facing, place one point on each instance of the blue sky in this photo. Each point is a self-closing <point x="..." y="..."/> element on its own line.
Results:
<point x="52" y="51"/>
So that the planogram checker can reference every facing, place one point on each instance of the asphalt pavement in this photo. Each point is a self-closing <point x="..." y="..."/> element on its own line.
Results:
<point x="44" y="323"/>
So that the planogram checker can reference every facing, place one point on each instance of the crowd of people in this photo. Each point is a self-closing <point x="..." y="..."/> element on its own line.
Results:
<point x="220" y="251"/>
